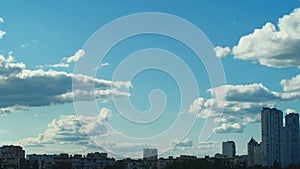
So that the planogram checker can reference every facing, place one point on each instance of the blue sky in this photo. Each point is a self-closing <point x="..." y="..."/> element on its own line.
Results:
<point x="257" y="43"/>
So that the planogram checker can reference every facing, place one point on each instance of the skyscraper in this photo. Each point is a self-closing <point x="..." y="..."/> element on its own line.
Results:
<point x="254" y="153"/>
<point x="228" y="149"/>
<point x="272" y="135"/>
<point x="292" y="139"/>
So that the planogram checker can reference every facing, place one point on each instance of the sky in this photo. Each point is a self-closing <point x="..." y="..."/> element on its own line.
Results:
<point x="118" y="76"/>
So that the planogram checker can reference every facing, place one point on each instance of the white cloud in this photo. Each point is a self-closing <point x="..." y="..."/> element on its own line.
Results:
<point x="198" y="149"/>
<point x="100" y="66"/>
<point x="2" y="33"/>
<point x="32" y="88"/>
<point x="70" y="130"/>
<point x="57" y="65"/>
<point x="229" y="128"/>
<point x="222" y="51"/>
<point x="273" y="46"/>
<point x="197" y="105"/>
<point x="29" y="43"/>
<point x="79" y="54"/>
<point x="256" y="92"/>
<point x="104" y="64"/>
<point x="104" y="114"/>
<point x="242" y="106"/>
<point x="12" y="109"/>
<point x="66" y="61"/>
<point x="288" y="111"/>
<point x="183" y="143"/>
<point x="290" y="85"/>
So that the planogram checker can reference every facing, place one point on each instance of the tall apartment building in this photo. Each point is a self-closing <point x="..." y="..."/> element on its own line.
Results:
<point x="254" y="153"/>
<point x="272" y="135"/>
<point x="228" y="149"/>
<point x="291" y="139"/>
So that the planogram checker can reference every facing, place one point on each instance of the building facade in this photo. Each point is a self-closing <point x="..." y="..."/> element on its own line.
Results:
<point x="12" y="157"/>
<point x="254" y="153"/>
<point x="228" y="149"/>
<point x="150" y="154"/>
<point x="272" y="136"/>
<point x="291" y="135"/>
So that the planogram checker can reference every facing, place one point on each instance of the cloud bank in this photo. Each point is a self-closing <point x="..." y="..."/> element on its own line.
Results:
<point x="242" y="106"/>
<point x="21" y="87"/>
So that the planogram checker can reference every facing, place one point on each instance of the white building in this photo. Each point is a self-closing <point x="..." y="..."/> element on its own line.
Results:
<point x="228" y="149"/>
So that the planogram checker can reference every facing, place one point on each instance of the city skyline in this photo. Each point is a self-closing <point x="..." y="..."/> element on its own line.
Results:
<point x="42" y="44"/>
<point x="279" y="146"/>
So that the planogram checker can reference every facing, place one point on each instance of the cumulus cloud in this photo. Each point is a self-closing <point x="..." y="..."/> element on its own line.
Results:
<point x="242" y="106"/>
<point x="79" y="54"/>
<point x="66" y="61"/>
<point x="2" y="33"/>
<point x="81" y="136"/>
<point x="24" y="87"/>
<point x="222" y="51"/>
<point x="104" y="114"/>
<point x="291" y="85"/>
<point x="229" y="128"/>
<point x="196" y="105"/>
<point x="184" y="143"/>
<point x="198" y="149"/>
<point x="69" y="130"/>
<point x="273" y="45"/>
<point x="256" y="92"/>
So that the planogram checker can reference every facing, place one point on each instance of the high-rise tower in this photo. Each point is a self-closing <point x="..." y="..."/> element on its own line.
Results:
<point x="292" y="139"/>
<point x="272" y="135"/>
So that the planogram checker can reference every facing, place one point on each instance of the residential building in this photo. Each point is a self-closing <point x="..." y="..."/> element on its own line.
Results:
<point x="254" y="153"/>
<point x="150" y="154"/>
<point x="292" y="145"/>
<point x="272" y="136"/>
<point x="62" y="161"/>
<point x="164" y="162"/>
<point x="12" y="157"/>
<point x="228" y="149"/>
<point x="43" y="161"/>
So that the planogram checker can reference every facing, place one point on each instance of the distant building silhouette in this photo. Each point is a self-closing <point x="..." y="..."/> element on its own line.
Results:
<point x="254" y="153"/>
<point x="12" y="157"/>
<point x="150" y="154"/>
<point x="64" y="161"/>
<point x="228" y="149"/>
